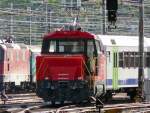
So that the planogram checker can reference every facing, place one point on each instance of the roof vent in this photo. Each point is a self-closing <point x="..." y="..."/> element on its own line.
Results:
<point x="113" y="42"/>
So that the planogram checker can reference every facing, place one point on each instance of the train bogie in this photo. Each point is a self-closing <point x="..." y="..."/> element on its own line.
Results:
<point x="62" y="90"/>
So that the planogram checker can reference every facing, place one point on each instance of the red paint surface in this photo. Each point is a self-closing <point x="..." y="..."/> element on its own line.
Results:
<point x="60" y="67"/>
<point x="13" y="65"/>
<point x="69" y="34"/>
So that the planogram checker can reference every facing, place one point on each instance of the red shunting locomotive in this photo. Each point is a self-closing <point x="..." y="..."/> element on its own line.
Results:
<point x="71" y="67"/>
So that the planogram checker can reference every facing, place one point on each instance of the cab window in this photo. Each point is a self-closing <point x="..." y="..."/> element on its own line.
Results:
<point x="63" y="46"/>
<point x="91" y="50"/>
<point x="52" y="47"/>
<point x="71" y="46"/>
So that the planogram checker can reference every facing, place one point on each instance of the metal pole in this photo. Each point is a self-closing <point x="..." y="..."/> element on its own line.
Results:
<point x="50" y="22"/>
<point x="11" y="21"/>
<point x="29" y="8"/>
<point x="46" y="16"/>
<point x="104" y="21"/>
<point x="141" y="52"/>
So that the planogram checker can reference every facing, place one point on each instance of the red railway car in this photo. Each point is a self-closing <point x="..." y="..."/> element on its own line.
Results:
<point x="14" y="65"/>
<point x="71" y="67"/>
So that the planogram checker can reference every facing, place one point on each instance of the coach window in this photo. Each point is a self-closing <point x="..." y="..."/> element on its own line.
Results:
<point x="132" y="59"/>
<point x="129" y="59"/>
<point x="147" y="59"/>
<point x="136" y="59"/>
<point x="121" y="59"/>
<point x="126" y="59"/>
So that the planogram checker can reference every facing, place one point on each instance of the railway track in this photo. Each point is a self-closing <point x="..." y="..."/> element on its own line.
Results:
<point x="30" y="103"/>
<point x="17" y="102"/>
<point x="127" y="108"/>
<point x="25" y="103"/>
<point x="116" y="108"/>
<point x="21" y="98"/>
<point x="63" y="109"/>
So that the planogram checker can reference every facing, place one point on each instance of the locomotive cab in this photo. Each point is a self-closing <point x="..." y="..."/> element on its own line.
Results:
<point x="65" y="47"/>
<point x="67" y="66"/>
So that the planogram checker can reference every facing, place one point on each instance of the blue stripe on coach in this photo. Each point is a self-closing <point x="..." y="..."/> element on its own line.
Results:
<point x="123" y="82"/>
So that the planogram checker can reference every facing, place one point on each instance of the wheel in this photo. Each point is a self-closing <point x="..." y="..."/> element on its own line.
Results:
<point x="108" y="96"/>
<point x="53" y="102"/>
<point x="132" y="93"/>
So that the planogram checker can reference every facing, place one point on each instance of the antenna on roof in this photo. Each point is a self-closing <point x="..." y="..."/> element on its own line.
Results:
<point x="76" y="22"/>
<point x="74" y="25"/>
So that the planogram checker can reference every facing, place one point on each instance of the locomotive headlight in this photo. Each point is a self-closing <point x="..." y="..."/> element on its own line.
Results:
<point x="80" y="78"/>
<point x="46" y="78"/>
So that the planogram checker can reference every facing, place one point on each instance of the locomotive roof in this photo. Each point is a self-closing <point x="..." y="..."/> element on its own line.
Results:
<point x="119" y="40"/>
<point x="69" y="35"/>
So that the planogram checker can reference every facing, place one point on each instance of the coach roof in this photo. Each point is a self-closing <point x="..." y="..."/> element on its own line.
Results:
<point x="69" y="35"/>
<point x="119" y="40"/>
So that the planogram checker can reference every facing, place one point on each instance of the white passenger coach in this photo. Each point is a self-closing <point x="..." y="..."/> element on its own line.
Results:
<point x="123" y="61"/>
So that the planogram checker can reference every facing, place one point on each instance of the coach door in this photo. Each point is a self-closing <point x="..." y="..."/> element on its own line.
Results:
<point x="115" y="64"/>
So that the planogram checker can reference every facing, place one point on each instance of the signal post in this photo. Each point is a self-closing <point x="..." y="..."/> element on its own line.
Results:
<point x="141" y="53"/>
